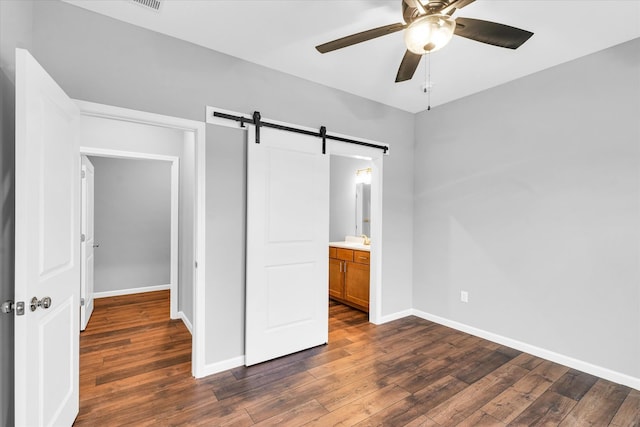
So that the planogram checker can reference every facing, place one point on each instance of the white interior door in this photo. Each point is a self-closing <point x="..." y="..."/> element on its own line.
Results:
<point x="46" y="250"/>
<point x="287" y="245"/>
<point x="88" y="242"/>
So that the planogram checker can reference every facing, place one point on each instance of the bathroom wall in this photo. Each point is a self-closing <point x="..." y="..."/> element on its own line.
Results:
<point x="342" y="204"/>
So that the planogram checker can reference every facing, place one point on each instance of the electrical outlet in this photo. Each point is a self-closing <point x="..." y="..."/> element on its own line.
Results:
<point x="464" y="296"/>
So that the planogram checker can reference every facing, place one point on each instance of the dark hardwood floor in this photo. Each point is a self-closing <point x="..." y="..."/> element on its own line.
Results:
<point x="135" y="370"/>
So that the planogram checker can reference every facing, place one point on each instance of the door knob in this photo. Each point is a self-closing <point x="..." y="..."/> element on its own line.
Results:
<point x="96" y="245"/>
<point x="44" y="303"/>
<point x="7" y="307"/>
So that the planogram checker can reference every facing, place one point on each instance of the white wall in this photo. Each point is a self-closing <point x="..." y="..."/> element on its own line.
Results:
<point x="527" y="197"/>
<point x="98" y="132"/>
<point x="342" y="204"/>
<point x="132" y="224"/>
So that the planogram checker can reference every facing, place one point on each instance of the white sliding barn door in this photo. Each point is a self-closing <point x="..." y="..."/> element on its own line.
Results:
<point x="47" y="257"/>
<point x="287" y="238"/>
<point x="88" y="243"/>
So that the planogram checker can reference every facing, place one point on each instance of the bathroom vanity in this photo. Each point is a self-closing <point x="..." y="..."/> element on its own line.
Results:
<point x="349" y="274"/>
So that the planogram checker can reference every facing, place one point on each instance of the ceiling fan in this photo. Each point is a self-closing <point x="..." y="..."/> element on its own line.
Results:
<point x="428" y="27"/>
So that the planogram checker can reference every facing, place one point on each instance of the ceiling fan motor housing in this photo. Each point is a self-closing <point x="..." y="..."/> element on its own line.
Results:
<point x="411" y="13"/>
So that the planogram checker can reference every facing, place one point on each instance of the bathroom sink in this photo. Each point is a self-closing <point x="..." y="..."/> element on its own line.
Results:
<point x="352" y="242"/>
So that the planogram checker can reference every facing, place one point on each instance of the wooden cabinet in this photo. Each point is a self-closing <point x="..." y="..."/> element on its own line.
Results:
<point x="349" y="277"/>
<point x="336" y="279"/>
<point x="356" y="285"/>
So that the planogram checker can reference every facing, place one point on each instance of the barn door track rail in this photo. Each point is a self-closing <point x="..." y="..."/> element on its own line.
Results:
<point x="256" y="120"/>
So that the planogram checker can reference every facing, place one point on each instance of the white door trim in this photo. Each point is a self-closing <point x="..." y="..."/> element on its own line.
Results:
<point x="175" y="198"/>
<point x="376" y="155"/>
<point x="87" y="245"/>
<point x="198" y="128"/>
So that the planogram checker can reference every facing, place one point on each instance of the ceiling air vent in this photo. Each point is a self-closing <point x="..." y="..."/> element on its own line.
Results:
<point x="151" y="4"/>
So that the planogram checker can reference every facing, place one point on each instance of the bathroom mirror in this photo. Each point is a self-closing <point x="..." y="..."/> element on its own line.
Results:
<point x="363" y="202"/>
<point x="344" y="182"/>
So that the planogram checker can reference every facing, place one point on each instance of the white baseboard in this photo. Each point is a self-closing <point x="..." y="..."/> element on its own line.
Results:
<point x="571" y="362"/>
<point x="130" y="291"/>
<point x="186" y="321"/>
<point x="214" y="368"/>
<point x="395" y="316"/>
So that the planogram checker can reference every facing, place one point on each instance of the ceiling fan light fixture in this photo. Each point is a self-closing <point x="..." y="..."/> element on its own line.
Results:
<point x="429" y="33"/>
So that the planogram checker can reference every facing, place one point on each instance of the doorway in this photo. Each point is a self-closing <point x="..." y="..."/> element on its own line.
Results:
<point x="137" y="221"/>
<point x="107" y="131"/>
<point x="373" y="159"/>
<point x="133" y="227"/>
<point x="350" y="222"/>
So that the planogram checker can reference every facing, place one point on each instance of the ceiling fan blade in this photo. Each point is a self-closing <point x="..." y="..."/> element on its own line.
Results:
<point x="491" y="32"/>
<point x="360" y="37"/>
<point x="456" y="4"/>
<point x="408" y="66"/>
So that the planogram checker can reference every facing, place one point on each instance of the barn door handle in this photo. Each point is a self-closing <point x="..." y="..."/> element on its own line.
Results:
<point x="44" y="303"/>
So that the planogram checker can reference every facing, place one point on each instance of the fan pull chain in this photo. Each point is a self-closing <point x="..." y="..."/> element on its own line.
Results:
<point x="427" y="80"/>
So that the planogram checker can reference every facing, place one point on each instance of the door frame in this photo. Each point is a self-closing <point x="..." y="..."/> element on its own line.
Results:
<point x="198" y="129"/>
<point x="175" y="197"/>
<point x="376" y="156"/>
<point x="86" y="193"/>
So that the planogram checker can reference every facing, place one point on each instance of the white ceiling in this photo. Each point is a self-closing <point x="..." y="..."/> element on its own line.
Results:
<point x="281" y="34"/>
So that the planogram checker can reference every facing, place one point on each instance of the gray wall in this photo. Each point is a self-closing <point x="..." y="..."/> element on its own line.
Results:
<point x="132" y="223"/>
<point x="507" y="203"/>
<point x="15" y="31"/>
<point x="102" y="60"/>
<point x="531" y="204"/>
<point x="342" y="204"/>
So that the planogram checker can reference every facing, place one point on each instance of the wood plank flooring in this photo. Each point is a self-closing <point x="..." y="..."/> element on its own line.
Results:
<point x="135" y="370"/>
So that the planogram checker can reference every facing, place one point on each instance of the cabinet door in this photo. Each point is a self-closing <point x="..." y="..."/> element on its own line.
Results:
<point x="356" y="286"/>
<point x="336" y="278"/>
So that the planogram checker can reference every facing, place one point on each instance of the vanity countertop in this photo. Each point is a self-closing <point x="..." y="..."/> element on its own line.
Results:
<point x="351" y="245"/>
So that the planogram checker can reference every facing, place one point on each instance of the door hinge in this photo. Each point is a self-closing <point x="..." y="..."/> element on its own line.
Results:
<point x="81" y="302"/>
<point x="83" y="237"/>
<point x="83" y="174"/>
<point x="196" y="264"/>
